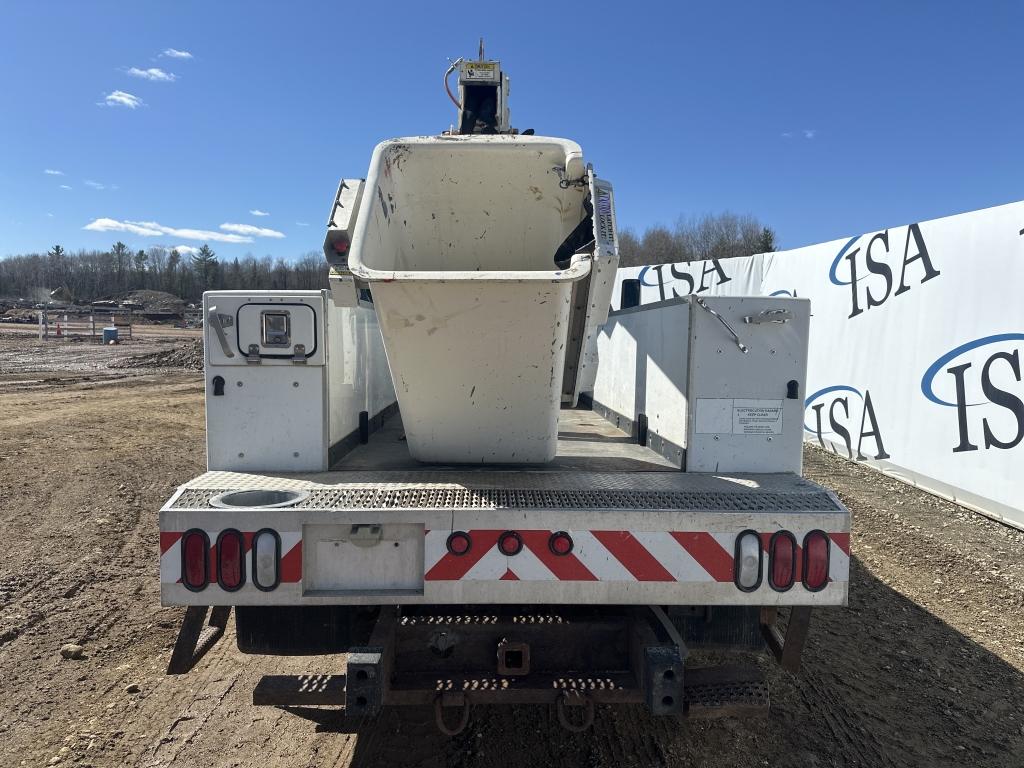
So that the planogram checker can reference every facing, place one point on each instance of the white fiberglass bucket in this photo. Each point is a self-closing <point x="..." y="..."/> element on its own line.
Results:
<point x="456" y="237"/>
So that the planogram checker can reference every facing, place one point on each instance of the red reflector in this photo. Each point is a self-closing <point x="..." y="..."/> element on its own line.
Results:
<point x="510" y="543"/>
<point x="459" y="543"/>
<point x="816" y="553"/>
<point x="230" y="560"/>
<point x="782" y="561"/>
<point x="194" y="548"/>
<point x="560" y="543"/>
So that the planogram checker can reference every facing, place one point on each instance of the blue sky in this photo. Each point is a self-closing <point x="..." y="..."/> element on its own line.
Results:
<point x="822" y="119"/>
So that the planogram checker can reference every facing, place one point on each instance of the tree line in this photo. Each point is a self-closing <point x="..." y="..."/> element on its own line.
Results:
<point x="712" y="236"/>
<point x="88" y="276"/>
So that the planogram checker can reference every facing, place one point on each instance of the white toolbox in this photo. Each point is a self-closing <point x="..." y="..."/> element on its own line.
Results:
<point x="266" y="380"/>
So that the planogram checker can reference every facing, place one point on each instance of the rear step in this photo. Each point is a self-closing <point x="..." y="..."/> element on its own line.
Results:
<point x="712" y="692"/>
<point x="708" y="692"/>
<point x="299" y="691"/>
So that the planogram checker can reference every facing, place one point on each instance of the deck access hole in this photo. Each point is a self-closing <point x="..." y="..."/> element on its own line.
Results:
<point x="361" y="674"/>
<point x="360" y="701"/>
<point x="668" y="701"/>
<point x="258" y="499"/>
<point x="668" y="674"/>
<point x="513" y="659"/>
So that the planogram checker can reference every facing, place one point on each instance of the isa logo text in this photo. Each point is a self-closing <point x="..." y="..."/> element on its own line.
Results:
<point x="870" y="266"/>
<point x="845" y="414"/>
<point x="979" y="383"/>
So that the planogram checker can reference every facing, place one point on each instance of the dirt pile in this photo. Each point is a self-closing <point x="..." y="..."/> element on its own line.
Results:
<point x="186" y="356"/>
<point x="148" y="301"/>
<point x="16" y="315"/>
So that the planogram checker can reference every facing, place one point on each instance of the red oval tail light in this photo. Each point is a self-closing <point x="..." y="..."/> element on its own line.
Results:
<point x="195" y="568"/>
<point x="230" y="560"/>
<point x="782" y="561"/>
<point x="816" y="555"/>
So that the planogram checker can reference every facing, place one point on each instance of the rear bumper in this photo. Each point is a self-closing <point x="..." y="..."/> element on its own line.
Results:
<point x="673" y="545"/>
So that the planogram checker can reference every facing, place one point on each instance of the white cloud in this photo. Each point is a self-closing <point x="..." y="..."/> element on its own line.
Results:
<point x="153" y="73"/>
<point x="787" y="135"/>
<point x="49" y="215"/>
<point x="121" y="99"/>
<point x="174" y="53"/>
<point x="94" y="184"/>
<point x="64" y="186"/>
<point x="185" y="250"/>
<point x="51" y="172"/>
<point x="258" y="212"/>
<point x="153" y="229"/>
<point x="249" y="229"/>
<point x="301" y="223"/>
<point x="112" y="225"/>
<point x="810" y="133"/>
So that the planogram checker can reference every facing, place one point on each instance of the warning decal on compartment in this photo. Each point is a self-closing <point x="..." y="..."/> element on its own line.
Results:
<point x="480" y="70"/>
<point x="757" y="417"/>
<point x="724" y="416"/>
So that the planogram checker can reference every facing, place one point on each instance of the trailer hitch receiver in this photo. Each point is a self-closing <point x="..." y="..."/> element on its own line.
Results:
<point x="513" y="658"/>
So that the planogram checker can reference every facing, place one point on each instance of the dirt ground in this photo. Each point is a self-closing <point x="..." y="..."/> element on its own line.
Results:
<point x="925" y="668"/>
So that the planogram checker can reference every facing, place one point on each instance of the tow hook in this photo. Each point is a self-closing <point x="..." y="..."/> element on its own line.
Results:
<point x="451" y="700"/>
<point x="575" y="700"/>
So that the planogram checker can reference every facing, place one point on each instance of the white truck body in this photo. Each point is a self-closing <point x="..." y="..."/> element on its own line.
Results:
<point x="458" y="468"/>
<point x="374" y="528"/>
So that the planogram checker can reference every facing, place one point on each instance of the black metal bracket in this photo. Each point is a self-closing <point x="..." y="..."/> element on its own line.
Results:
<point x="657" y="663"/>
<point x="196" y="637"/>
<point x="787" y="649"/>
<point x="663" y="680"/>
<point x="368" y="670"/>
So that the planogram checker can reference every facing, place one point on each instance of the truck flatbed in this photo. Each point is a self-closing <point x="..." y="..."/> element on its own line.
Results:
<point x="637" y="529"/>
<point x="586" y="443"/>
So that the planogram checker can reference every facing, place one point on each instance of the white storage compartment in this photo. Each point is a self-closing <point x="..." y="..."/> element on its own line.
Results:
<point x="747" y="383"/>
<point x="716" y="382"/>
<point x="456" y="237"/>
<point x="266" y="380"/>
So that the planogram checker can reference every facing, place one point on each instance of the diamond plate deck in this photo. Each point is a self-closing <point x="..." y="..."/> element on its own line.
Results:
<point x="380" y="497"/>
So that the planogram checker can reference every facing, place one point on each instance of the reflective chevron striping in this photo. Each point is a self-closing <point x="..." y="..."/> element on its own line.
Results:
<point x="630" y="556"/>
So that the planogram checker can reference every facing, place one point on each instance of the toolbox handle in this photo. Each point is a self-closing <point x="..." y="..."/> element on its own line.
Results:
<point x="214" y="319"/>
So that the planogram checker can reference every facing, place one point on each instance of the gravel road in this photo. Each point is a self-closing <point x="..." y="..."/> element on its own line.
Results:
<point x="925" y="668"/>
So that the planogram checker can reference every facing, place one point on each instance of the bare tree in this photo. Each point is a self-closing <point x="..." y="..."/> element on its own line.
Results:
<point x="711" y="236"/>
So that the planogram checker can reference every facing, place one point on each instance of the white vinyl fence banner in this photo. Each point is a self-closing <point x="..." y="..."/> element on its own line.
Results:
<point x="916" y="347"/>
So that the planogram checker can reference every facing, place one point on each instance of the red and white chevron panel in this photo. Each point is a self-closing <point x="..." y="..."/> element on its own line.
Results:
<point x="290" y="568"/>
<point x="622" y="556"/>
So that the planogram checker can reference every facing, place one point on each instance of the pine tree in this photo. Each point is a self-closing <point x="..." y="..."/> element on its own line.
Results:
<point x="120" y="254"/>
<point x="204" y="263"/>
<point x="766" y="241"/>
